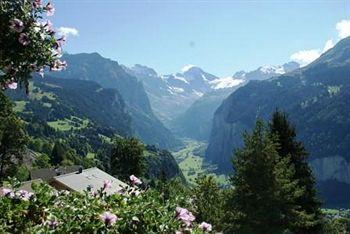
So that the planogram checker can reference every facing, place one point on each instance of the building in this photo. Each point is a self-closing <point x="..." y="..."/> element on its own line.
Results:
<point x="47" y="174"/>
<point x="82" y="179"/>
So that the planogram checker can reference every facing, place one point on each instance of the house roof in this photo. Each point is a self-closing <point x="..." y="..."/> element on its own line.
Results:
<point x="92" y="177"/>
<point x="46" y="174"/>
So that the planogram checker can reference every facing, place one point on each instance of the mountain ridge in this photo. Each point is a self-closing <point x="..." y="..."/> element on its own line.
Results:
<point x="315" y="97"/>
<point x="109" y="74"/>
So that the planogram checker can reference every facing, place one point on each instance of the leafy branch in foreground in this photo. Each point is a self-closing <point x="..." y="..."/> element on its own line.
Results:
<point x="27" y="41"/>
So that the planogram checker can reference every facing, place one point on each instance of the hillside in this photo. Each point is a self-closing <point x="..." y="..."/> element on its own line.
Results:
<point x="316" y="98"/>
<point x="83" y="116"/>
<point x="109" y="74"/>
<point x="196" y="122"/>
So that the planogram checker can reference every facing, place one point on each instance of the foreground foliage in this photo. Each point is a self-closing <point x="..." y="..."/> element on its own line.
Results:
<point x="129" y="211"/>
<point x="12" y="139"/>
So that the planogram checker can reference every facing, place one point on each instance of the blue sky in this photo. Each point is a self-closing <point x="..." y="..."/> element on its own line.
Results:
<point x="220" y="36"/>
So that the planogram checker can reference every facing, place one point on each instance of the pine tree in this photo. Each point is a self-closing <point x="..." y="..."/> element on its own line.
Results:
<point x="57" y="154"/>
<point x="208" y="200"/>
<point x="289" y="147"/>
<point x="264" y="192"/>
<point x="127" y="158"/>
<point x="13" y="139"/>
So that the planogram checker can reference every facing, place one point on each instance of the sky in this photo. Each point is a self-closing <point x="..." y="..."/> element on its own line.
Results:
<point x="220" y="36"/>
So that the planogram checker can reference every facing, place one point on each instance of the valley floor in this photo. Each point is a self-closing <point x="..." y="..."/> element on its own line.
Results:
<point x="192" y="163"/>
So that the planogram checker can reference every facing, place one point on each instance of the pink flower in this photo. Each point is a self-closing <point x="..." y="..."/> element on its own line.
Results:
<point x="121" y="191"/>
<point x="12" y="85"/>
<point x="48" y="26"/>
<point x="52" y="223"/>
<point x="94" y="193"/>
<point x="205" y="227"/>
<point x="24" y="195"/>
<point x="108" y="218"/>
<point x="23" y="39"/>
<point x="37" y="3"/>
<point x="50" y="9"/>
<point x="16" y="25"/>
<point x="58" y="65"/>
<point x="107" y="184"/>
<point x="134" y="180"/>
<point x="6" y="191"/>
<point x="60" y="41"/>
<point x="185" y="216"/>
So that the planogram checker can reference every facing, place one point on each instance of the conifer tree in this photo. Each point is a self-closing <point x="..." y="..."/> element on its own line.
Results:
<point x="208" y="200"/>
<point x="289" y="147"/>
<point x="262" y="200"/>
<point x="127" y="158"/>
<point x="57" y="154"/>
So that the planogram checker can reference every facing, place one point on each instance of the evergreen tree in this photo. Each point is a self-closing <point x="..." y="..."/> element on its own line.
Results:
<point x="127" y="158"/>
<point x="264" y="191"/>
<point x="57" y="154"/>
<point x="208" y="201"/>
<point x="285" y="135"/>
<point x="13" y="139"/>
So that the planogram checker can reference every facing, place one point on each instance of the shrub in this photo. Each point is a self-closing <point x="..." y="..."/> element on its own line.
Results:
<point x="131" y="210"/>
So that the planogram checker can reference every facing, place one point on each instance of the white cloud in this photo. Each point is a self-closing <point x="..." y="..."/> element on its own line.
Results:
<point x="329" y="45"/>
<point x="304" y="57"/>
<point x="68" y="31"/>
<point x="343" y="28"/>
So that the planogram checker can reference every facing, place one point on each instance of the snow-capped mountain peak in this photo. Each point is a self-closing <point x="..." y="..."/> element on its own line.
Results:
<point x="267" y="69"/>
<point x="224" y="83"/>
<point x="187" y="67"/>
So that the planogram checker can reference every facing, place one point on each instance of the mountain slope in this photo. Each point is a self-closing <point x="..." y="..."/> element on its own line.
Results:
<point x="86" y="117"/>
<point x="317" y="99"/>
<point x="109" y="74"/>
<point x="196" y="122"/>
<point x="52" y="99"/>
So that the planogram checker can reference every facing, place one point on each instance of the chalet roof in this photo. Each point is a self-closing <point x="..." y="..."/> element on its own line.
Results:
<point x="47" y="174"/>
<point x="92" y="177"/>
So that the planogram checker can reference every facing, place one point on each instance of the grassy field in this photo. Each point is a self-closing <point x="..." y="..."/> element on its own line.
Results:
<point x="68" y="124"/>
<point x="19" y="106"/>
<point x="37" y="94"/>
<point x="193" y="165"/>
<point x="90" y="155"/>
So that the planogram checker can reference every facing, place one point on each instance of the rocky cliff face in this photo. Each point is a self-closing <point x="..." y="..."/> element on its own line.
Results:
<point x="331" y="168"/>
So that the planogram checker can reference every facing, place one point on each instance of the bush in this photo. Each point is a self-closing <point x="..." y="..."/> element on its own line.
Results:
<point x="128" y="211"/>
